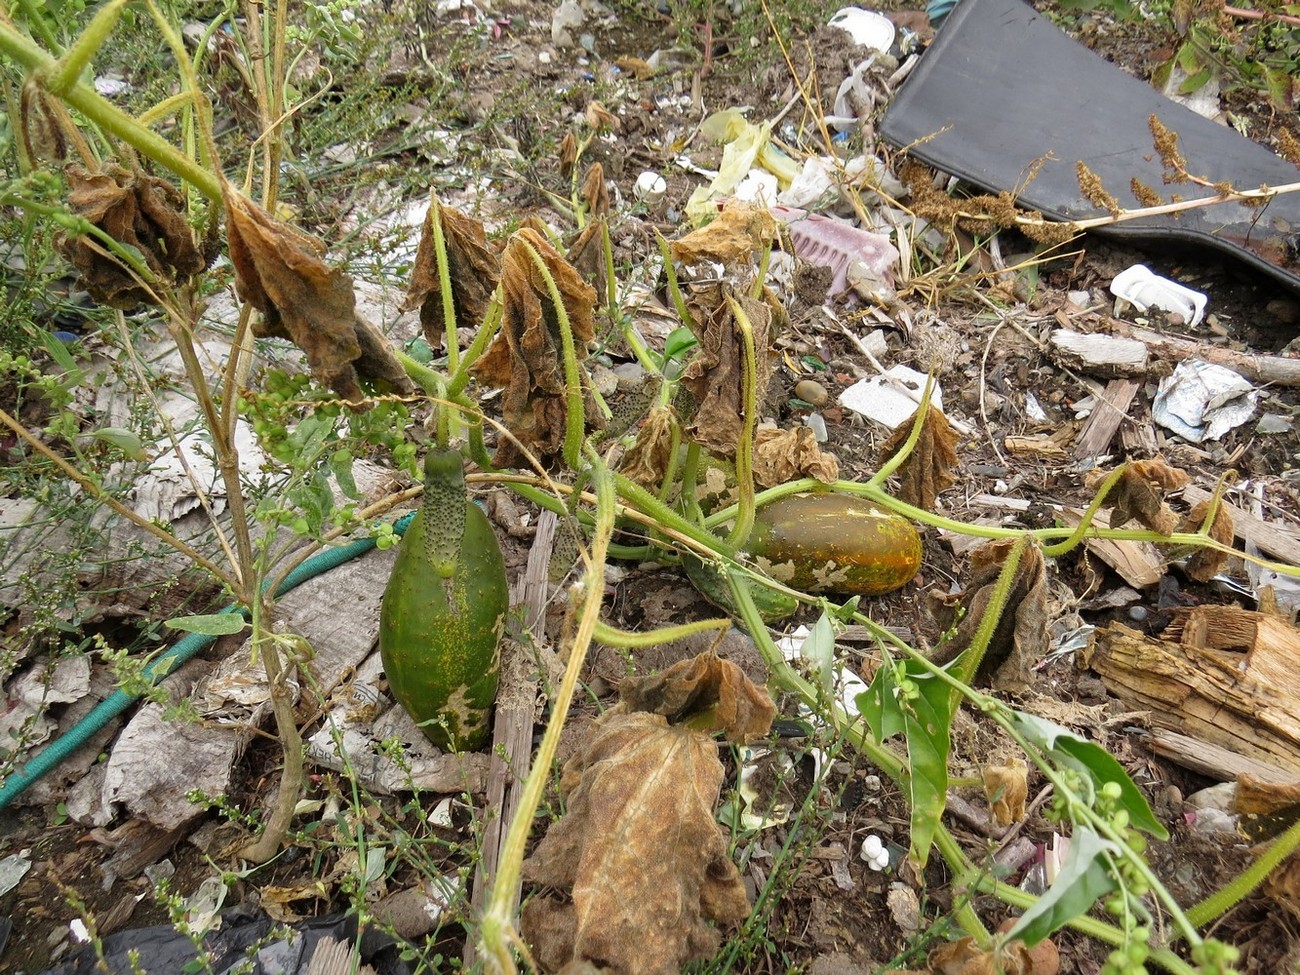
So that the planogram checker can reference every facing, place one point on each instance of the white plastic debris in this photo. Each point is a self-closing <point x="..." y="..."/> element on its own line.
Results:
<point x="1143" y="288"/>
<point x="567" y="17"/>
<point x="866" y="27"/>
<point x="12" y="870"/>
<point x="890" y="399"/>
<point x="758" y="186"/>
<point x="1202" y="401"/>
<point x="650" y="187"/>
<point x="874" y="852"/>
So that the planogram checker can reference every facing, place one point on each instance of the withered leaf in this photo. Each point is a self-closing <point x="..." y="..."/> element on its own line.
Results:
<point x="140" y="211"/>
<point x="278" y="269"/>
<point x="587" y="254"/>
<point x="1006" y="787"/>
<point x="1021" y="637"/>
<point x="527" y="355"/>
<point x="963" y="957"/>
<point x="639" y="852"/>
<point x="600" y="118"/>
<point x="1206" y="563"/>
<point x="568" y="154"/>
<point x="927" y="472"/>
<point x="739" y="234"/>
<point x="783" y="455"/>
<point x="472" y="267"/>
<point x="42" y="120"/>
<point x="706" y="692"/>
<point x="594" y="192"/>
<point x="1139" y="493"/>
<point x="646" y="460"/>
<point x="715" y="373"/>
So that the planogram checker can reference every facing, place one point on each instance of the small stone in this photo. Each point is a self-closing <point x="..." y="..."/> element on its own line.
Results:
<point x="811" y="392"/>
<point x="904" y="907"/>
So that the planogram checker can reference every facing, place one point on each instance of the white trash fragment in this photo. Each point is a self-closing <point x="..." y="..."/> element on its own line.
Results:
<point x="1202" y="401"/>
<point x="12" y="869"/>
<point x="758" y="187"/>
<point x="889" y="399"/>
<point x="866" y="27"/>
<point x="1142" y="288"/>
<point x="567" y="17"/>
<point x="650" y="187"/>
<point x="874" y="852"/>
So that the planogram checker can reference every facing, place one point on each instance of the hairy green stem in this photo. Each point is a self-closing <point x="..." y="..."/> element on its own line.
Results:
<point x="626" y="639"/>
<point x="674" y="288"/>
<point x="69" y="67"/>
<point x="110" y="118"/>
<point x="575" y="420"/>
<point x="913" y="437"/>
<point x="486" y="333"/>
<point x="496" y="931"/>
<point x="745" y="444"/>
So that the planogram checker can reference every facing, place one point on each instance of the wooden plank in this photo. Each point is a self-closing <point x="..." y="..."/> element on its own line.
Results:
<point x="1111" y="410"/>
<point x="1211" y="760"/>
<point x="1199" y="692"/>
<point x="1279" y="541"/>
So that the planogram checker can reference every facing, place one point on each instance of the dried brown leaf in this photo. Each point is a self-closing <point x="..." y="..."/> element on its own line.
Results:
<point x="42" y="119"/>
<point x="1261" y="797"/>
<point x="527" y="355"/>
<point x="707" y="693"/>
<point x="963" y="957"/>
<point x="784" y="455"/>
<point x="594" y="192"/>
<point x="715" y="373"/>
<point x="1207" y="563"/>
<point x="646" y="460"/>
<point x="601" y="118"/>
<point x="472" y="267"/>
<point x="278" y="270"/>
<point x="927" y="472"/>
<point x="587" y="254"/>
<point x="638" y="851"/>
<point x="140" y="211"/>
<point x="1006" y="788"/>
<point x="1020" y="639"/>
<point x="568" y="154"/>
<point x="739" y="234"/>
<point x="1139" y="494"/>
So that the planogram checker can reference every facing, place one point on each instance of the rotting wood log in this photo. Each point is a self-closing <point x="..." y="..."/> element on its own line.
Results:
<point x="1244" y="702"/>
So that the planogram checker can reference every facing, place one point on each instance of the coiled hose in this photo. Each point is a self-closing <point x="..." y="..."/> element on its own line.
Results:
<point x="76" y="737"/>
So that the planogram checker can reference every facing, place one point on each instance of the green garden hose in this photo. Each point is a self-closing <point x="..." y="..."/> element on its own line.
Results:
<point x="76" y="737"/>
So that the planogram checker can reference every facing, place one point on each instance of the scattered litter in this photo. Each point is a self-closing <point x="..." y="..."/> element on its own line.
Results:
<point x="568" y="16"/>
<point x="754" y="760"/>
<point x="12" y="870"/>
<point x="745" y="145"/>
<point x="867" y="27"/>
<point x="874" y="852"/>
<point x="889" y="399"/>
<point x="840" y="246"/>
<point x="650" y="187"/>
<point x="1142" y="288"/>
<point x="1202" y="401"/>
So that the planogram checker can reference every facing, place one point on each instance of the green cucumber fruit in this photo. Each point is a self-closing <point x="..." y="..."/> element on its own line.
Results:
<point x="834" y="543"/>
<point x="444" y="610"/>
<point x="709" y="581"/>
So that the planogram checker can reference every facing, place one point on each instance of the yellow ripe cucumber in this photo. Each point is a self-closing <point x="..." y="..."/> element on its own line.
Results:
<point x="444" y="610"/>
<point x="834" y="543"/>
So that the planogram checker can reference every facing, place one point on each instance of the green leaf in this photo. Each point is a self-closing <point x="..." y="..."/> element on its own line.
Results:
<point x="1094" y="761"/>
<point x="680" y="340"/>
<point x="1195" y="82"/>
<point x="62" y="357"/>
<point x="1084" y="878"/>
<point x="927" y="718"/>
<point x="923" y="714"/>
<point x="819" y="650"/>
<point x="213" y="624"/>
<point x="1278" y="83"/>
<point x="878" y="704"/>
<point x="124" y="440"/>
<point x="341" y="466"/>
